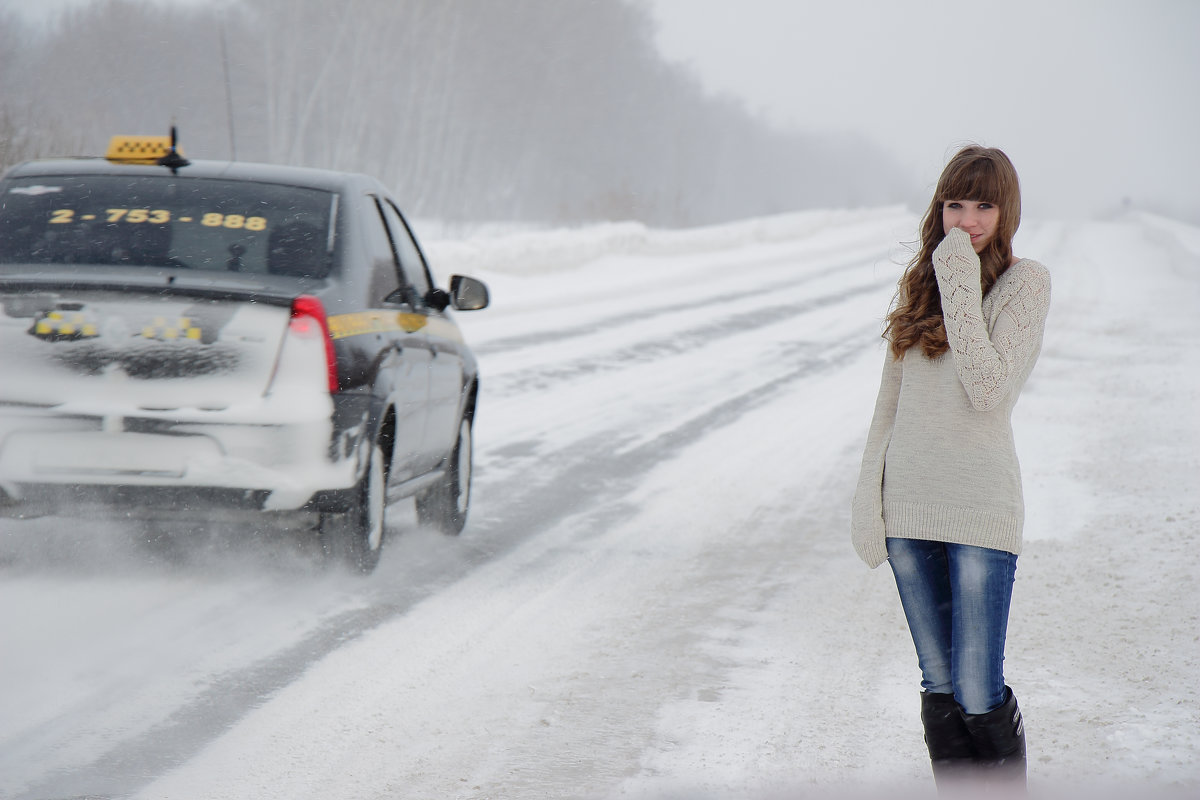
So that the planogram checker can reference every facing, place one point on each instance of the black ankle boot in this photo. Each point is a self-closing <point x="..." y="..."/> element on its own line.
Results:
<point x="999" y="740"/>
<point x="951" y="749"/>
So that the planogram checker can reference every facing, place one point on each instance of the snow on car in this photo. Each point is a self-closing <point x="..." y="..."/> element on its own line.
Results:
<point x="193" y="339"/>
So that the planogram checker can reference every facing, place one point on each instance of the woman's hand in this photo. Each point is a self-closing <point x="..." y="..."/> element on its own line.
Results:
<point x="956" y="242"/>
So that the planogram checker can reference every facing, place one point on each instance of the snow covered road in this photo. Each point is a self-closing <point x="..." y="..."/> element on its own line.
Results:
<point x="655" y="596"/>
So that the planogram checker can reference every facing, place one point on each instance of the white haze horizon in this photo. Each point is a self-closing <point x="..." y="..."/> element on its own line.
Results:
<point x="1093" y="101"/>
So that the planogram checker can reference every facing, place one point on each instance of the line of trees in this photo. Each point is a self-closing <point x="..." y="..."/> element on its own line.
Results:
<point x="547" y="110"/>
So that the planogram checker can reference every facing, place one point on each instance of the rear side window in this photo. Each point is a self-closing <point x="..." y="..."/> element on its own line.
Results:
<point x="167" y="221"/>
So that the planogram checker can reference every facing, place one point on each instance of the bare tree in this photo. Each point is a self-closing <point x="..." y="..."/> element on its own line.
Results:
<point x="550" y="110"/>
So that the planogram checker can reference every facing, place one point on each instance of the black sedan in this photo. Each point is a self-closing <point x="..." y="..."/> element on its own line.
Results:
<point x="205" y="339"/>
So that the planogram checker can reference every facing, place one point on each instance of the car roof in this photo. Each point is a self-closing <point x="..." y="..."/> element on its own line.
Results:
<point x="308" y="177"/>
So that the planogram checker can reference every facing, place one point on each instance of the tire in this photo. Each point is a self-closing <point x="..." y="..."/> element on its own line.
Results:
<point x="445" y="506"/>
<point x="355" y="538"/>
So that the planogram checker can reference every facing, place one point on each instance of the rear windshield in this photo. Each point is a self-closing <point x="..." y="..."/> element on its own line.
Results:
<point x="166" y="221"/>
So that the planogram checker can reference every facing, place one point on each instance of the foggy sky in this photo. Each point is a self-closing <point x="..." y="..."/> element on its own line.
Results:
<point x="1094" y="100"/>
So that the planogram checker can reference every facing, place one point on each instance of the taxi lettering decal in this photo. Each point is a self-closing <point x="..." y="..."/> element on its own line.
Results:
<point x="159" y="216"/>
<point x="164" y="331"/>
<point x="69" y="326"/>
<point x="57" y="326"/>
<point x="360" y="322"/>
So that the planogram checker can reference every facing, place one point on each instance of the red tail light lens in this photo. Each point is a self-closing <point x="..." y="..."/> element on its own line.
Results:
<point x="308" y="313"/>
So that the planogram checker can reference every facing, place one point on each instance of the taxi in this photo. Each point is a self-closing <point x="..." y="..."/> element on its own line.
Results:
<point x="202" y="339"/>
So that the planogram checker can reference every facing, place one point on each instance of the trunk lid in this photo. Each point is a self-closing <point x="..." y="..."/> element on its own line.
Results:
<point x="97" y="350"/>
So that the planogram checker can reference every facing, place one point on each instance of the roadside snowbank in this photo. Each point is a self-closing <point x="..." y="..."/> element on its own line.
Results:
<point x="542" y="251"/>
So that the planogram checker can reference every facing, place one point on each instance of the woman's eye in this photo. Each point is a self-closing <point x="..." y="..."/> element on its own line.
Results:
<point x="953" y="205"/>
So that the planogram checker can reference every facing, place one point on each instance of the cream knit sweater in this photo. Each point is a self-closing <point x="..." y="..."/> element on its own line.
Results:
<point x="940" y="463"/>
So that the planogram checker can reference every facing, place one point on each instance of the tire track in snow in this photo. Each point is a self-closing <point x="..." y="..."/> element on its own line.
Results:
<point x="609" y="323"/>
<point x="539" y="379"/>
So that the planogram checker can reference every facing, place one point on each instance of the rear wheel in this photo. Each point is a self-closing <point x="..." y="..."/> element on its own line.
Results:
<point x="355" y="537"/>
<point x="445" y="505"/>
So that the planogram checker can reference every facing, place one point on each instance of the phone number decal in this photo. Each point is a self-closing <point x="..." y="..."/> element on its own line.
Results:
<point x="160" y="216"/>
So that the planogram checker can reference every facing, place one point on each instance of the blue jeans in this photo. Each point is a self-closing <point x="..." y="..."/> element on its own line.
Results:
<point x="956" y="599"/>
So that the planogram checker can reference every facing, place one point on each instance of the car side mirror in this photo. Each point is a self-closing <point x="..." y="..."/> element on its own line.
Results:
<point x="468" y="294"/>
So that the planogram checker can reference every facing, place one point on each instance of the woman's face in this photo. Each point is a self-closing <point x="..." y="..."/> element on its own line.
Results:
<point x="980" y="220"/>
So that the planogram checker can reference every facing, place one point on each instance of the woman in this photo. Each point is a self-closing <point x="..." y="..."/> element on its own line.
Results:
<point x="939" y="495"/>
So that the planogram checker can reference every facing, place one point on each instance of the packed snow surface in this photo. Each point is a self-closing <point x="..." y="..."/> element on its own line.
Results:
<point x="656" y="595"/>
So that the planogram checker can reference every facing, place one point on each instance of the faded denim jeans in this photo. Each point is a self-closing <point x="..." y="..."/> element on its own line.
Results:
<point x="956" y="598"/>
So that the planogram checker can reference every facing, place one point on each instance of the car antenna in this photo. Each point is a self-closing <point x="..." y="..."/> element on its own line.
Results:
<point x="228" y="90"/>
<point x="173" y="160"/>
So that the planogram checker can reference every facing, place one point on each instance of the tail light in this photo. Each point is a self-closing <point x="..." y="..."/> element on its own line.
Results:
<point x="308" y="316"/>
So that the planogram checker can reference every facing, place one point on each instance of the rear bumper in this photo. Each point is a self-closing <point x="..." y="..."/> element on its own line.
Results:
<point x="132" y="502"/>
<point x="189" y="460"/>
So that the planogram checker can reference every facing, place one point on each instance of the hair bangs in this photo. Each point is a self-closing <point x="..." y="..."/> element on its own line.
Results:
<point x="977" y="179"/>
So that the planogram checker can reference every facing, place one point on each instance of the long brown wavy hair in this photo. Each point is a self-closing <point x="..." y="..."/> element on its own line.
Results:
<point x="981" y="174"/>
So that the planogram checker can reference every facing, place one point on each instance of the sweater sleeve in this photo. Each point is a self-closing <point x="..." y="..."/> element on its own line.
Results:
<point x="866" y="510"/>
<point x="987" y="363"/>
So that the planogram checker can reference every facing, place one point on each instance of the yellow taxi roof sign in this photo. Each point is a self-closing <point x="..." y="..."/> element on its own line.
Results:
<point x="139" y="149"/>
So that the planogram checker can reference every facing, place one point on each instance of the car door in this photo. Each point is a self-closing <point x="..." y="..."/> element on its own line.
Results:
<point x="444" y="343"/>
<point x="403" y="376"/>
